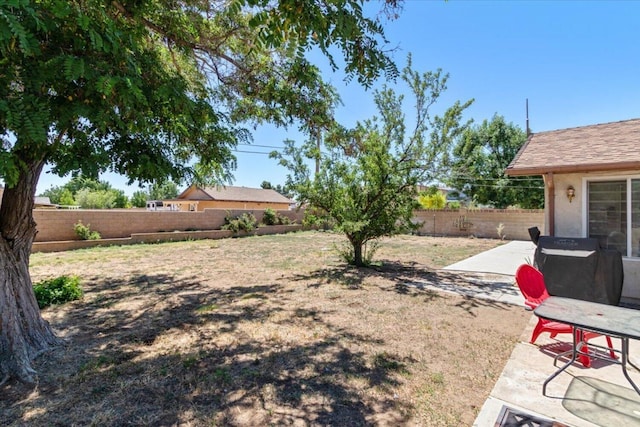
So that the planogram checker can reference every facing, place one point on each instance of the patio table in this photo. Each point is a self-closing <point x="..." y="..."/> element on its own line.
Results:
<point x="586" y="316"/>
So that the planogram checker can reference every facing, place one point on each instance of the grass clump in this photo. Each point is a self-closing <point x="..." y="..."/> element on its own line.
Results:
<point x="58" y="290"/>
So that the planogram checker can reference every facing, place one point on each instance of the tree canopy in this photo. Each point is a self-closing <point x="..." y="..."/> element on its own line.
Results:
<point x="367" y="182"/>
<point x="479" y="160"/>
<point x="150" y="89"/>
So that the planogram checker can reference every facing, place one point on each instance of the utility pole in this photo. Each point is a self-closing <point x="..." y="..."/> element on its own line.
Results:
<point x="527" y="115"/>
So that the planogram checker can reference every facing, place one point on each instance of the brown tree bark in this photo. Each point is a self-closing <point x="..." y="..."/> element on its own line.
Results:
<point x="24" y="334"/>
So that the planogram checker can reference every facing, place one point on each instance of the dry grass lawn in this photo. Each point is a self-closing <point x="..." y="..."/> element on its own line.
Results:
<point x="272" y="330"/>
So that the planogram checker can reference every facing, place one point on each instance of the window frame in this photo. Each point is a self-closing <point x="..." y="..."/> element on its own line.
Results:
<point x="629" y="206"/>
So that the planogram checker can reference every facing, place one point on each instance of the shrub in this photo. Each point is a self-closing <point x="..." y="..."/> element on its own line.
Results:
<point x="317" y="218"/>
<point x="283" y="220"/>
<point x="245" y="222"/>
<point x="270" y="217"/>
<point x="84" y="232"/>
<point x="57" y="291"/>
<point x="453" y="205"/>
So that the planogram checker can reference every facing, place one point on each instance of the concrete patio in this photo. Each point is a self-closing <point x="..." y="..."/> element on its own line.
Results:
<point x="580" y="397"/>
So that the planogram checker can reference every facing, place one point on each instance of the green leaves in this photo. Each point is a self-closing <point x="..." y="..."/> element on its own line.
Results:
<point x="479" y="161"/>
<point x="151" y="89"/>
<point x="368" y="176"/>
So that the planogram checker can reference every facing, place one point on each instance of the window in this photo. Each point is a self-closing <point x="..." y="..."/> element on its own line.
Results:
<point x="613" y="214"/>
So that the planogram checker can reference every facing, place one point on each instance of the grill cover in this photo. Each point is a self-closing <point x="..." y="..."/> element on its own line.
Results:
<point x="578" y="268"/>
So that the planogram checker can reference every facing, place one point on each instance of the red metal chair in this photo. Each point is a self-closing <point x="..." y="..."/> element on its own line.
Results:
<point x="531" y="284"/>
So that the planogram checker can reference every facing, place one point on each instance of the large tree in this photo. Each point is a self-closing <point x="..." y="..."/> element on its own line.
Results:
<point x="367" y="180"/>
<point x="87" y="193"/>
<point x="479" y="160"/>
<point x="150" y="89"/>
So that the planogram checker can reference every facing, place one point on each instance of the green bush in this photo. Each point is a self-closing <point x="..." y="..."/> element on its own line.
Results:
<point x="84" y="232"/>
<point x="245" y="222"/>
<point x="317" y="218"/>
<point x="283" y="220"/>
<point x="57" y="291"/>
<point x="270" y="217"/>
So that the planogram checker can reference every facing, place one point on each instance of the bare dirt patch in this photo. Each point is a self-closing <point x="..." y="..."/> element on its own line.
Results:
<point x="272" y="330"/>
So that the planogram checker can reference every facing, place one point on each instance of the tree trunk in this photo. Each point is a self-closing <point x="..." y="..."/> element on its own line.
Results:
<point x="24" y="334"/>
<point x="357" y="254"/>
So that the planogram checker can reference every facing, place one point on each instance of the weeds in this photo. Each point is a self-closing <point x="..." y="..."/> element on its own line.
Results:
<point x="57" y="291"/>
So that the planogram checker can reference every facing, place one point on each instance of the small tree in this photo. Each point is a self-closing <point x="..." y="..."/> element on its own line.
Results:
<point x="368" y="176"/>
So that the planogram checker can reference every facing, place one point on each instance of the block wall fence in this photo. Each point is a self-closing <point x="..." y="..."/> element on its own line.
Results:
<point x="57" y="225"/>
<point x="480" y="222"/>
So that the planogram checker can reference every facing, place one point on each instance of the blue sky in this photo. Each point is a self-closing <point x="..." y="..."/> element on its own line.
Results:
<point x="578" y="63"/>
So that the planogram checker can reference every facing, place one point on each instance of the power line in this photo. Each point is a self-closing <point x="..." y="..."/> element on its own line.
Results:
<point x="251" y="152"/>
<point x="263" y="146"/>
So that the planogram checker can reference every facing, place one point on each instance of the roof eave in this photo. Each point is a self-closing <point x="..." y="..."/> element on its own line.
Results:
<point x="600" y="167"/>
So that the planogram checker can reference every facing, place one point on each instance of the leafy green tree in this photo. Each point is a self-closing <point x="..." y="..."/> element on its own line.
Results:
<point x="368" y="176"/>
<point x="151" y="90"/>
<point x="78" y="183"/>
<point x="101" y="199"/>
<point x="56" y="194"/>
<point x="66" y="198"/>
<point x="139" y="199"/>
<point x="163" y="190"/>
<point x="478" y="163"/>
<point x="88" y="193"/>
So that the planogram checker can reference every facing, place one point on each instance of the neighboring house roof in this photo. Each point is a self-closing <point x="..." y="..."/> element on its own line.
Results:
<point x="43" y="201"/>
<point x="236" y="194"/>
<point x="38" y="200"/>
<point x="601" y="147"/>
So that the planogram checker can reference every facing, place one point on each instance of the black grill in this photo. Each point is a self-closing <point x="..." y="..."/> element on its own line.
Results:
<point x="579" y="268"/>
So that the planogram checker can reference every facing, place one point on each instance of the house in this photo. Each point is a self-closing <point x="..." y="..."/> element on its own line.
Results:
<point x="196" y="198"/>
<point x="41" y="202"/>
<point x="592" y="186"/>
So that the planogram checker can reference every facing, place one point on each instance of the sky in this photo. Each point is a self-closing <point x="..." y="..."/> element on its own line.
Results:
<point x="577" y="63"/>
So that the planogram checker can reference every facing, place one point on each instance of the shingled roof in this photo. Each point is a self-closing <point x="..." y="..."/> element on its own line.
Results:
<point x="601" y="147"/>
<point x="243" y="194"/>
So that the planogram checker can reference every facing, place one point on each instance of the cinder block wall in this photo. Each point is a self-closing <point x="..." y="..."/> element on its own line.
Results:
<point x="56" y="225"/>
<point x="480" y="222"/>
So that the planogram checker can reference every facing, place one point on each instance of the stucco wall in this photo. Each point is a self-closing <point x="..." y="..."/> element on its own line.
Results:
<point x="568" y="215"/>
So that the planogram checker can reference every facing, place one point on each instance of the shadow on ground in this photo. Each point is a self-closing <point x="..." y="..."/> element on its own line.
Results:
<point x="414" y="280"/>
<point x="163" y="350"/>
